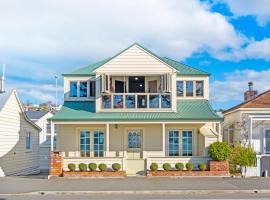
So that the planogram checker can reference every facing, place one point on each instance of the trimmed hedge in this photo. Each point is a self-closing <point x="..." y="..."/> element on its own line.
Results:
<point x="179" y="166"/>
<point x="154" y="167"/>
<point x="83" y="167"/>
<point x="116" y="167"/>
<point x="102" y="167"/>
<point x="167" y="166"/>
<point x="72" y="167"/>
<point x="92" y="167"/>
<point x="202" y="166"/>
<point x="189" y="166"/>
<point x="219" y="151"/>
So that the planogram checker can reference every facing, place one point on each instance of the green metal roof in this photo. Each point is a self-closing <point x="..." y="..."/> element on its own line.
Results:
<point x="187" y="110"/>
<point x="181" y="68"/>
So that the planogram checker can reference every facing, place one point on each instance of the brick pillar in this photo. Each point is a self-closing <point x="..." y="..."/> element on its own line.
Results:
<point x="56" y="168"/>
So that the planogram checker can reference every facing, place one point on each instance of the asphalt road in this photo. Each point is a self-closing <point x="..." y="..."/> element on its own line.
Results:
<point x="135" y="197"/>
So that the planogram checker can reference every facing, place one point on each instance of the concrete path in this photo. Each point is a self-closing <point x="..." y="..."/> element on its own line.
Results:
<point x="15" y="185"/>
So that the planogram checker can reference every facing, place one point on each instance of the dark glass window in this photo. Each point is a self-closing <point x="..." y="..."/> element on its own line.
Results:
<point x="199" y="88"/>
<point x="118" y="101"/>
<point x="153" y="101"/>
<point x="92" y="89"/>
<point x="106" y="101"/>
<point x="180" y="88"/>
<point x="189" y="88"/>
<point x="142" y="101"/>
<point x="165" y="101"/>
<point x="73" y="89"/>
<point x="83" y="89"/>
<point x="130" y="101"/>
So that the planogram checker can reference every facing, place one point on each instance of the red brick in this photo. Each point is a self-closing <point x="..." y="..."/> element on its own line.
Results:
<point x="219" y="165"/>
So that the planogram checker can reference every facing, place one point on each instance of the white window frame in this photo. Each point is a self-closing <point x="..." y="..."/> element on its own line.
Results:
<point x="192" y="142"/>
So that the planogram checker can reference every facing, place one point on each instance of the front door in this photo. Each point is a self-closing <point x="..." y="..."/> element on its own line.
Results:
<point x="134" y="143"/>
<point x="267" y="142"/>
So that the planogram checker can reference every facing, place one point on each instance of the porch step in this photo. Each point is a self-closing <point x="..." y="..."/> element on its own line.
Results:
<point x="135" y="167"/>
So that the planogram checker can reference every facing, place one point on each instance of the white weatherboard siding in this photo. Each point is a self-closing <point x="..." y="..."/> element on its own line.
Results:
<point x="14" y="159"/>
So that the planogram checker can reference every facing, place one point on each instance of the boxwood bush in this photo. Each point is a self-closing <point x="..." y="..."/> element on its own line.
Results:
<point x="102" y="167"/>
<point x="189" y="166"/>
<point x="202" y="166"/>
<point x="71" y="167"/>
<point x="83" y="167"/>
<point x="167" y="166"/>
<point x="219" y="151"/>
<point x="179" y="166"/>
<point x="154" y="167"/>
<point x="116" y="166"/>
<point x="92" y="167"/>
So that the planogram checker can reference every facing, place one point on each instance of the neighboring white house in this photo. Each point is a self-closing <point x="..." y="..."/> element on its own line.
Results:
<point x="40" y="118"/>
<point x="19" y="138"/>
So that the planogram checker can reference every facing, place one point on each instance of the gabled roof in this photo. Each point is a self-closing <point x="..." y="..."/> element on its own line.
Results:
<point x="261" y="101"/>
<point x="181" y="69"/>
<point x="4" y="98"/>
<point x="187" y="110"/>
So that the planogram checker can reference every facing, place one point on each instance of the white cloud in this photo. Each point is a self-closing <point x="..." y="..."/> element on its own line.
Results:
<point x="258" y="8"/>
<point x="236" y="83"/>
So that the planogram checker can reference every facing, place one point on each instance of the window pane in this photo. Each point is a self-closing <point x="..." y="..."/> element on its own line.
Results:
<point x="73" y="89"/>
<point x="199" y="88"/>
<point x="92" y="89"/>
<point x="165" y="101"/>
<point x="130" y="101"/>
<point x="118" y="101"/>
<point x="142" y="101"/>
<point x="189" y="88"/>
<point x="187" y="143"/>
<point x="173" y="138"/>
<point x="83" y="89"/>
<point x="85" y="143"/>
<point x="179" y="87"/>
<point x="106" y="101"/>
<point x="153" y="101"/>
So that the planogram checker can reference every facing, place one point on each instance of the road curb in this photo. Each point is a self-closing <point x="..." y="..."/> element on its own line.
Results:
<point x="145" y="192"/>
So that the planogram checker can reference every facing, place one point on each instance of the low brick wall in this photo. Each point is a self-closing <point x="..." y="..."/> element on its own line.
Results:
<point x="187" y="173"/>
<point x="56" y="165"/>
<point x="94" y="174"/>
<point x="219" y="166"/>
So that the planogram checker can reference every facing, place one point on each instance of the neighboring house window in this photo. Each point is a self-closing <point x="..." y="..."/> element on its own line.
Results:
<point x="199" y="88"/>
<point x="73" y="89"/>
<point x="187" y="143"/>
<point x="189" y="88"/>
<point x="134" y="140"/>
<point x="180" y="88"/>
<point x="28" y="139"/>
<point x="92" y="89"/>
<point x="83" y="89"/>
<point x="231" y="134"/>
<point x="98" y="143"/>
<point x="173" y="140"/>
<point x="85" y="143"/>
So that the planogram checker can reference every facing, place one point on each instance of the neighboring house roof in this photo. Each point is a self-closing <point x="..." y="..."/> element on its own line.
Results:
<point x="35" y="115"/>
<point x="261" y="101"/>
<point x="181" y="69"/>
<point x="4" y="97"/>
<point x="194" y="110"/>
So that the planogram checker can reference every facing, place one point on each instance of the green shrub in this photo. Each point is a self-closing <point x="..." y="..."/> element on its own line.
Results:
<point x="189" y="166"/>
<point x="154" y="167"/>
<point x="116" y="166"/>
<point x="202" y="166"/>
<point x="167" y="166"/>
<point x="92" y="167"/>
<point x="71" y="167"/>
<point x="219" y="151"/>
<point x="179" y="166"/>
<point x="102" y="167"/>
<point x="83" y="167"/>
<point x="243" y="156"/>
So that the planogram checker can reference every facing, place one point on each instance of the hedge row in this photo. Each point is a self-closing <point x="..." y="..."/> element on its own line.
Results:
<point x="93" y="167"/>
<point x="178" y="166"/>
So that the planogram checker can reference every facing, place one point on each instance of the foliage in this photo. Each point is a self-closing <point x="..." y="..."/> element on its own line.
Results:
<point x="92" y="167"/>
<point x="179" y="166"/>
<point x="243" y="156"/>
<point x="116" y="166"/>
<point x="71" y="167"/>
<point x="219" y="151"/>
<point x="154" y="167"/>
<point x="102" y="167"/>
<point x="167" y="166"/>
<point x="202" y="166"/>
<point x="189" y="166"/>
<point x="83" y="167"/>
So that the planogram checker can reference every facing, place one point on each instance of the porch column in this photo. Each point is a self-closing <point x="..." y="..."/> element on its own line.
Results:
<point x="52" y="135"/>
<point x="107" y="140"/>
<point x="163" y="139"/>
<point x="220" y="132"/>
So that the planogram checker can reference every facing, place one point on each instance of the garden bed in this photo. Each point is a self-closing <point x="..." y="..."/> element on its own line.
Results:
<point x="187" y="173"/>
<point x="94" y="174"/>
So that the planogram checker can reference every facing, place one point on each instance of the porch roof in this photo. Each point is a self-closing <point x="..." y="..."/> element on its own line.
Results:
<point x="187" y="110"/>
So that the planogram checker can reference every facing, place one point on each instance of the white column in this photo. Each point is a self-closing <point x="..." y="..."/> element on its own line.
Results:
<point x="220" y="132"/>
<point x="163" y="139"/>
<point x="52" y="135"/>
<point x="107" y="140"/>
<point x="250" y="131"/>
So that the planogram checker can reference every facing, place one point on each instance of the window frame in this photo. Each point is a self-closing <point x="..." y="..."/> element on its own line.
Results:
<point x="177" y="94"/>
<point x="186" y="90"/>
<point x="86" y="89"/>
<point x="28" y="141"/>
<point x="182" y="141"/>
<point x="76" y="84"/>
<point x="100" y="151"/>
<point x="173" y="144"/>
<point x="202" y="82"/>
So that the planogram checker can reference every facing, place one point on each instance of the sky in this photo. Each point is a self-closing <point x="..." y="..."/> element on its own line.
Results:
<point x="228" y="38"/>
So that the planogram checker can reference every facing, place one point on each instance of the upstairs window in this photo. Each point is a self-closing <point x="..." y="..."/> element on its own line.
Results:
<point x="199" y="88"/>
<point x="180" y="88"/>
<point x="189" y="88"/>
<point x="73" y="89"/>
<point x="28" y="139"/>
<point x="92" y="88"/>
<point x="83" y="89"/>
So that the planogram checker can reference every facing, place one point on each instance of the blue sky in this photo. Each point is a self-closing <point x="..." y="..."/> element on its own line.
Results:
<point x="228" y="38"/>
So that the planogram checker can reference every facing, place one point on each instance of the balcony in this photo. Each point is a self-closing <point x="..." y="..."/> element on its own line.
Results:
<point x="130" y="101"/>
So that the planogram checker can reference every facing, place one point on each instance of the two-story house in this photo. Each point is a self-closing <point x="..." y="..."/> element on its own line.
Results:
<point x="136" y="108"/>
